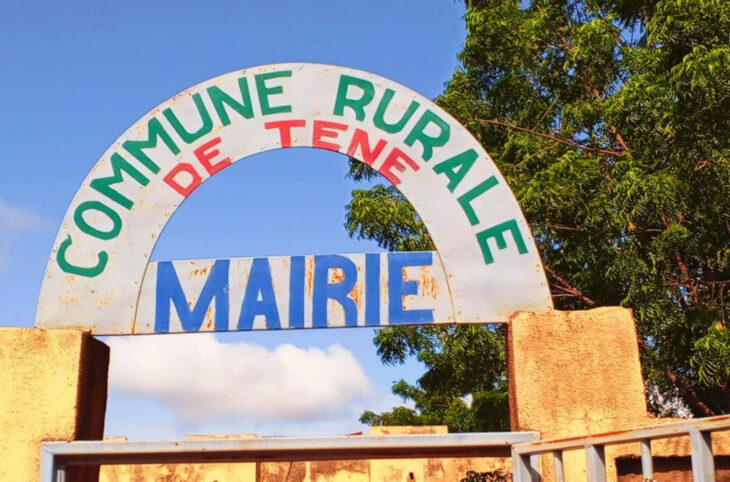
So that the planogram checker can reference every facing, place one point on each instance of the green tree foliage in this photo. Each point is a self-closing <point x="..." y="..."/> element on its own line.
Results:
<point x="610" y="121"/>
<point x="496" y="476"/>
<point x="464" y="385"/>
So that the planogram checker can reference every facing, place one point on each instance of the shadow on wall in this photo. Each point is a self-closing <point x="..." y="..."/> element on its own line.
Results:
<point x="676" y="469"/>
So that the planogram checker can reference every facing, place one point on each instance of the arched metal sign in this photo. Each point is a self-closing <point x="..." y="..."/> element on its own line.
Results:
<point x="486" y="265"/>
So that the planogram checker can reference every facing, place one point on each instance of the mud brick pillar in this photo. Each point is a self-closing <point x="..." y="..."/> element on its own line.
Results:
<point x="53" y="386"/>
<point x="574" y="374"/>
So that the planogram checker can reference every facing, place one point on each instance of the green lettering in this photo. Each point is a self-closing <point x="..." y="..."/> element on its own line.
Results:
<point x="186" y="136"/>
<point x="264" y="92"/>
<point x="496" y="233"/>
<point x="455" y="168"/>
<point x="218" y="98"/>
<point x="379" y="119"/>
<point x="154" y="131"/>
<point x="91" y="230"/>
<point x="67" y="267"/>
<point x="466" y="198"/>
<point x="357" y="105"/>
<point x="104" y="184"/>
<point x="428" y="142"/>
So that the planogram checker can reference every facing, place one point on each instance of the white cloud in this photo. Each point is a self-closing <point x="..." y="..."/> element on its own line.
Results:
<point x="198" y="377"/>
<point x="14" y="221"/>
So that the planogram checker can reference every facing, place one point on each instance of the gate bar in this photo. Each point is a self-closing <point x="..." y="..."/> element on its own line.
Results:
<point x="698" y="430"/>
<point x="57" y="456"/>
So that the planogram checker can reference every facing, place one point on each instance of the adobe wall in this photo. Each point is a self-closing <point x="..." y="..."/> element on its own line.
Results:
<point x="377" y="470"/>
<point x="53" y="388"/>
<point x="234" y="472"/>
<point x="578" y="373"/>
<point x="574" y="373"/>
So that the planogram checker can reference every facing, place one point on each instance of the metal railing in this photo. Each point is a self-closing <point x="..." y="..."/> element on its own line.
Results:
<point x="57" y="457"/>
<point x="525" y="456"/>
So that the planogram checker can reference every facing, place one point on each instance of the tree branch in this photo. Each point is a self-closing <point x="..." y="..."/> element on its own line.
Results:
<point x="596" y="92"/>
<point x="682" y="266"/>
<point x="547" y="111"/>
<point x="552" y="138"/>
<point x="726" y="395"/>
<point x="689" y="394"/>
<point x="683" y="389"/>
<point x="568" y="288"/>
<point x="557" y="227"/>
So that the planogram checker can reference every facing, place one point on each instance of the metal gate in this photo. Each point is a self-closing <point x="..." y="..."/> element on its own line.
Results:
<point x="57" y="457"/>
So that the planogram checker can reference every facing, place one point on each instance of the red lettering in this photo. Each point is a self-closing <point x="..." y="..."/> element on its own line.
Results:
<point x="285" y="128"/>
<point x="205" y="155"/>
<point x="183" y="168"/>
<point x="325" y="129"/>
<point x="360" y="139"/>
<point x="393" y="161"/>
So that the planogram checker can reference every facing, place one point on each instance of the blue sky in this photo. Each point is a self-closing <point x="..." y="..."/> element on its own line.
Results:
<point x="76" y="74"/>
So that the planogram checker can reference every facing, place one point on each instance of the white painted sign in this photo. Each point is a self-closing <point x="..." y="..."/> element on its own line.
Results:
<point x="489" y="261"/>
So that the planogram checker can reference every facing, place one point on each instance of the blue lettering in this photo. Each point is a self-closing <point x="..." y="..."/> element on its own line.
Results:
<point x="259" y="283"/>
<point x="169" y="289"/>
<point x="324" y="290"/>
<point x="372" y="289"/>
<point x="296" y="292"/>
<point x="399" y="287"/>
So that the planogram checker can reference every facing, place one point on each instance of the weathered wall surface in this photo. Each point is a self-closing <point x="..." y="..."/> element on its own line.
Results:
<point x="396" y="470"/>
<point x="53" y="388"/>
<point x="319" y="471"/>
<point x="670" y="469"/>
<point x="385" y="470"/>
<point x="243" y="472"/>
<point x="434" y="469"/>
<point x="179" y="473"/>
<point x="578" y="373"/>
<point x="574" y="373"/>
